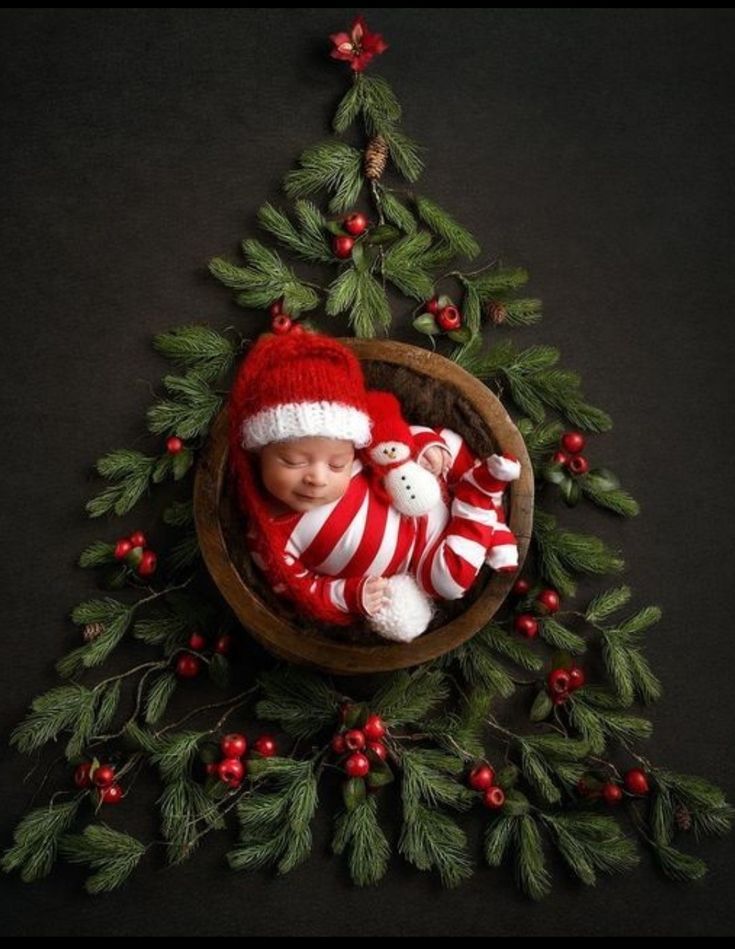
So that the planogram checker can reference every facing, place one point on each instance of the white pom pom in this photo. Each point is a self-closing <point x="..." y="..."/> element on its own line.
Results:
<point x="407" y="613"/>
<point x="504" y="469"/>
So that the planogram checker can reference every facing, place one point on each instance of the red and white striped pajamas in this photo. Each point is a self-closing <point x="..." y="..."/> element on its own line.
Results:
<point x="333" y="549"/>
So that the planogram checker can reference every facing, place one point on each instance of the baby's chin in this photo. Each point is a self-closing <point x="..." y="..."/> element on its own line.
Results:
<point x="298" y="502"/>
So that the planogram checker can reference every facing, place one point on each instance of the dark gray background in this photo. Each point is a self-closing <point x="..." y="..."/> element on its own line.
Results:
<point x="593" y="148"/>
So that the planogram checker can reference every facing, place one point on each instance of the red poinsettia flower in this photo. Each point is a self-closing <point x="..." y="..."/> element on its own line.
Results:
<point x="358" y="46"/>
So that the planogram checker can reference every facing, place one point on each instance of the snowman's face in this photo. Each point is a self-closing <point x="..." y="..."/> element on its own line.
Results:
<point x="388" y="453"/>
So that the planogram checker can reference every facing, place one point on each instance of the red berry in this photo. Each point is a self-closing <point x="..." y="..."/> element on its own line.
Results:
<point x="233" y="745"/>
<point x="560" y="458"/>
<point x="432" y="306"/>
<point x="547" y="601"/>
<point x="275" y="308"/>
<point x="174" y="445"/>
<point x="374" y="729"/>
<point x="636" y="781"/>
<point x="494" y="798"/>
<point x="265" y="746"/>
<point x="612" y="793"/>
<point x="579" y="465"/>
<point x="188" y="666"/>
<point x="521" y="587"/>
<point x="281" y="324"/>
<point x="147" y="565"/>
<point x="211" y="767"/>
<point x="197" y="641"/>
<point x="342" y="246"/>
<point x="355" y="224"/>
<point x="137" y="539"/>
<point x="481" y="777"/>
<point x="560" y="698"/>
<point x="558" y="681"/>
<point x="573" y="442"/>
<point x="112" y="794"/>
<point x="223" y="644"/>
<point x="355" y="739"/>
<point x="526" y="624"/>
<point x="122" y="548"/>
<point x="82" y="777"/>
<point x="231" y="771"/>
<point x="338" y="744"/>
<point x="357" y="765"/>
<point x="577" y="678"/>
<point x="103" y="776"/>
<point x="449" y="318"/>
<point x="584" y="790"/>
<point x="378" y="748"/>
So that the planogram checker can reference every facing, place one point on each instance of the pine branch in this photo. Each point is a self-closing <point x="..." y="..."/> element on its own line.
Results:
<point x="64" y="707"/>
<point x="404" y="265"/>
<point x="404" y="153"/>
<point x="431" y="776"/>
<point x="158" y="697"/>
<point x="132" y="471"/>
<point x="558" y="636"/>
<point x="498" y="640"/>
<point x="494" y="284"/>
<point x="179" y="514"/>
<point x="430" y="840"/>
<point x="197" y="348"/>
<point x="499" y="838"/>
<point x="380" y="107"/>
<point x="109" y="699"/>
<point x="97" y="554"/>
<point x="301" y="702"/>
<point x="590" y="842"/>
<point x="444" y="226"/>
<point x="396" y="212"/>
<point x="114" y="855"/>
<point x="36" y="840"/>
<point x="679" y="866"/>
<point x="480" y="668"/>
<point x="606" y="603"/>
<point x="175" y="753"/>
<point x="614" y="499"/>
<point x="560" y="552"/>
<point x="191" y="413"/>
<point x="408" y="698"/>
<point x="523" y="312"/>
<point x="330" y="166"/>
<point x="370" y="311"/>
<point x="311" y="243"/>
<point x="359" y="832"/>
<point x="114" y="616"/>
<point x="530" y="864"/>
<point x="186" y="813"/>
<point x="349" y="107"/>
<point x="540" y="439"/>
<point x="595" y="725"/>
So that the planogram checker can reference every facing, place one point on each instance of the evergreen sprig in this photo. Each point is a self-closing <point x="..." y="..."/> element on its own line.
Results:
<point x="597" y="719"/>
<point x="590" y="843"/>
<point x="409" y="697"/>
<point x="441" y="223"/>
<point x="405" y="265"/>
<point x="112" y="854"/>
<point x="187" y="813"/>
<point x="301" y="702"/>
<point x="431" y="840"/>
<point x="115" y="618"/>
<point x="36" y="839"/>
<point x="562" y="553"/>
<point x="329" y="166"/>
<point x="197" y="348"/>
<point x="190" y="413"/>
<point x="131" y="472"/>
<point x="310" y="241"/>
<point x="359" y="833"/>
<point x="275" y="822"/>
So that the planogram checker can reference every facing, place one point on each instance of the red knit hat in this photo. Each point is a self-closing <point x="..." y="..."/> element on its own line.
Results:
<point x="291" y="386"/>
<point x="297" y="385"/>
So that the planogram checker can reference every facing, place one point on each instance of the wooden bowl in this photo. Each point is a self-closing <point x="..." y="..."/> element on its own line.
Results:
<point x="434" y="391"/>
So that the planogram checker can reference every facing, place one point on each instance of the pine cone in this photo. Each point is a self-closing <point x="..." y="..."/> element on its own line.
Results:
<point x="376" y="157"/>
<point x="92" y="631"/>
<point x="683" y="818"/>
<point x="497" y="312"/>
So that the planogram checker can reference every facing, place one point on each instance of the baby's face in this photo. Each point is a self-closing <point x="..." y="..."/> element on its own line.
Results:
<point x="305" y="473"/>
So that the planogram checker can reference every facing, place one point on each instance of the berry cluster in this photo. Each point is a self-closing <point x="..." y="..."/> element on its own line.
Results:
<point x="482" y="778"/>
<point x="231" y="768"/>
<point x="188" y="666"/>
<point x="569" y="455"/>
<point x="359" y="742"/>
<point x="635" y="782"/>
<point x="91" y="774"/>
<point x="543" y="601"/>
<point x="562" y="681"/>
<point x="136" y="555"/>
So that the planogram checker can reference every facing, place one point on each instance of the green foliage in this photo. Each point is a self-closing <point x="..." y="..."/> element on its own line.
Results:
<point x="405" y="265"/>
<point x="431" y="840"/>
<point x="275" y="820"/>
<point x="309" y="242"/>
<point x="187" y="812"/>
<point x="591" y="842"/>
<point x="409" y="697"/>
<point x="562" y="553"/>
<point x="190" y="413"/>
<point x="36" y="840"/>
<point x="330" y="166"/>
<point x="441" y="223"/>
<point x="197" y="348"/>
<point x="114" y="616"/>
<point x="131" y="472"/>
<point x="301" y="702"/>
<point x="559" y="637"/>
<point x="114" y="855"/>
<point x="359" y="832"/>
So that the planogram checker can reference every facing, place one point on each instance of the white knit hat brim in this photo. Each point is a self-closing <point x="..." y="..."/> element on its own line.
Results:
<point x="303" y="419"/>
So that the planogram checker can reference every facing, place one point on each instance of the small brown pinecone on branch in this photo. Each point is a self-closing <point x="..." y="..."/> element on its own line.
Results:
<point x="496" y="312"/>
<point x="683" y="818"/>
<point x="376" y="158"/>
<point x="92" y="631"/>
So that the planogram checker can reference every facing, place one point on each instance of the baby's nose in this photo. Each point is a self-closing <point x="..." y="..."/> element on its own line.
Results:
<point x="315" y="476"/>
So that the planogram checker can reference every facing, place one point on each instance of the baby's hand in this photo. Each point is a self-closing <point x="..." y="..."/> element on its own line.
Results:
<point x="374" y="595"/>
<point x="435" y="460"/>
